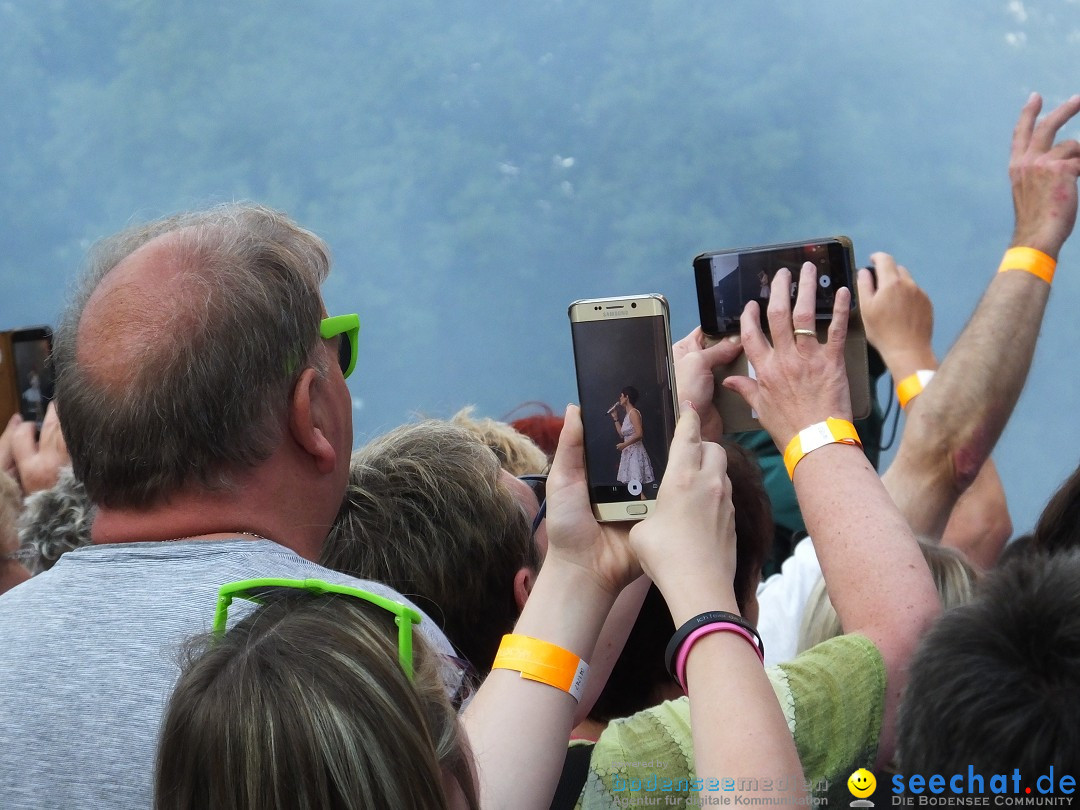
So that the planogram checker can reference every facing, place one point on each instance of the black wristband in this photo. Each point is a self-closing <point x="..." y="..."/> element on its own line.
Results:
<point x="700" y="620"/>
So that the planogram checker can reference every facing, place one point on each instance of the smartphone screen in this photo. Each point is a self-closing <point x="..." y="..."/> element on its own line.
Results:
<point x="625" y="376"/>
<point x="34" y="382"/>
<point x="727" y="280"/>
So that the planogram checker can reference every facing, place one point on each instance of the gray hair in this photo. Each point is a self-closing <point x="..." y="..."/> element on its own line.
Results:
<point x="53" y="522"/>
<point x="303" y="704"/>
<point x="209" y="386"/>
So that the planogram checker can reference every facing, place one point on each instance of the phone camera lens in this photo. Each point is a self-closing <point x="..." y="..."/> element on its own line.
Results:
<point x="633" y="306"/>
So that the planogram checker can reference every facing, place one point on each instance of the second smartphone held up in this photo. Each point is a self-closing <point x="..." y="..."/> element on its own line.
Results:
<point x="626" y="387"/>
<point x="728" y="279"/>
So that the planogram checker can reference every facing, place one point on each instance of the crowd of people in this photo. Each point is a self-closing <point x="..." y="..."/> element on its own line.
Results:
<point x="208" y="599"/>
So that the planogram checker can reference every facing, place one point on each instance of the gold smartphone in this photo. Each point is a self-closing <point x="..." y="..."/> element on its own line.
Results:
<point x="728" y="279"/>
<point x="626" y="387"/>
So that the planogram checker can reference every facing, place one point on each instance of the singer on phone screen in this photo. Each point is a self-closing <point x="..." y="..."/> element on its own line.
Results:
<point x="634" y="463"/>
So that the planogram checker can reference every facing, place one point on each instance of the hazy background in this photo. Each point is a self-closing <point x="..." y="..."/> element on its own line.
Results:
<point x="476" y="166"/>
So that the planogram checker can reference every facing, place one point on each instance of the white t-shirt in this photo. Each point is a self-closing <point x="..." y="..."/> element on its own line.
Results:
<point x="782" y="602"/>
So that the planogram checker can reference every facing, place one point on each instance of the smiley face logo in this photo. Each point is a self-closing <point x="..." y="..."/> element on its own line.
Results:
<point x="862" y="783"/>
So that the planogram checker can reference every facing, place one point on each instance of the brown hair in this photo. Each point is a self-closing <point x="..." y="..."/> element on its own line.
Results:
<point x="304" y="705"/>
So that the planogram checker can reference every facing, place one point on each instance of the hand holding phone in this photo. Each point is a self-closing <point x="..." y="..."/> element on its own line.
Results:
<point x="695" y="358"/>
<point x="26" y="376"/>
<point x="799" y="381"/>
<point x="687" y="547"/>
<point x="31" y="459"/>
<point x="728" y="280"/>
<point x="574" y="535"/>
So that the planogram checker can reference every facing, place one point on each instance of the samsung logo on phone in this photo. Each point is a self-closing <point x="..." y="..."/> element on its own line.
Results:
<point x="616" y="313"/>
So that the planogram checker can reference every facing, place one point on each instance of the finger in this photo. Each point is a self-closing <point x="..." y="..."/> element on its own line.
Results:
<point x="24" y="442"/>
<point x="744" y="387"/>
<point x="838" y="324"/>
<point x="904" y="273"/>
<point x="754" y="342"/>
<point x="884" y="268"/>
<point x="1025" y="124"/>
<point x="1046" y="130"/>
<point x="802" y="317"/>
<point x="779" y="309"/>
<point x="722" y="353"/>
<point x="1065" y="150"/>
<point x="685" y="453"/>
<point x="692" y="342"/>
<point x="714" y="458"/>
<point x="569" y="462"/>
<point x="864" y="279"/>
<point x="50" y="425"/>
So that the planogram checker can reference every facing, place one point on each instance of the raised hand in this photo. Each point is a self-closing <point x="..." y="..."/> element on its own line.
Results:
<point x="898" y="316"/>
<point x="694" y="364"/>
<point x="799" y="381"/>
<point x="687" y="546"/>
<point x="34" y="461"/>
<point x="574" y="535"/>
<point x="1043" y="176"/>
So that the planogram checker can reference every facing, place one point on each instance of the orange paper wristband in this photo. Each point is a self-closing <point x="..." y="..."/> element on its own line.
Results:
<point x="1029" y="260"/>
<point x="807" y="440"/>
<point x="910" y="387"/>
<point x="542" y="661"/>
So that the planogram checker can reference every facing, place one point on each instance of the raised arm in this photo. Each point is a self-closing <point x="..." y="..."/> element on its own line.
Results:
<point x="519" y="728"/>
<point x="688" y="548"/>
<point x="876" y="574"/>
<point x="899" y="320"/>
<point x="954" y="424"/>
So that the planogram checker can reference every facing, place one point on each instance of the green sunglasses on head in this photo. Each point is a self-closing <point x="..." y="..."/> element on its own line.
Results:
<point x="404" y="616"/>
<point x="349" y="326"/>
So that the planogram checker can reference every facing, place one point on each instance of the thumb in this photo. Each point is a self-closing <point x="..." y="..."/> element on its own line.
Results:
<point x="722" y="353"/>
<point x="743" y="386"/>
<point x="569" y="461"/>
<point x="865" y="282"/>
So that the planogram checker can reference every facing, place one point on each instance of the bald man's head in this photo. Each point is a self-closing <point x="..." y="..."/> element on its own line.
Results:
<point x="175" y="361"/>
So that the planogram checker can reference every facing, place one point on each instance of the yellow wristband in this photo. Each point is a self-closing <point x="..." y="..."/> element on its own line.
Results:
<point x="910" y="387"/>
<point x="807" y="440"/>
<point x="1029" y="260"/>
<point x="540" y="661"/>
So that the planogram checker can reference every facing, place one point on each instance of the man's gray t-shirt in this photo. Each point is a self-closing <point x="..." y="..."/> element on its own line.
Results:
<point x="89" y="654"/>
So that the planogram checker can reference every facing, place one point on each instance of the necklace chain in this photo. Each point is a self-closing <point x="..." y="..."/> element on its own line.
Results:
<point x="194" y="536"/>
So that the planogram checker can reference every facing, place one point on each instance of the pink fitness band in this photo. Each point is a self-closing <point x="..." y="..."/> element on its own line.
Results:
<point x="704" y="630"/>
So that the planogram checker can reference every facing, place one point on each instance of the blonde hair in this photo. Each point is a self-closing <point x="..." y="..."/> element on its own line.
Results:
<point x="953" y="576"/>
<point x="304" y="705"/>
<point x="517" y="453"/>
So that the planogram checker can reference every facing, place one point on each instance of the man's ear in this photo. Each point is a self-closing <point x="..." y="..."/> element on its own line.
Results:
<point x="524" y="580"/>
<point x="308" y="418"/>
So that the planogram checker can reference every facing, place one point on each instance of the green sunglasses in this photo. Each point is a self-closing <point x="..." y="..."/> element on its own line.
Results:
<point x="348" y="325"/>
<point x="404" y="616"/>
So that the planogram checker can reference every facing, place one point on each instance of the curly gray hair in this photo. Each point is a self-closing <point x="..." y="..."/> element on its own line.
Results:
<point x="54" y="521"/>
